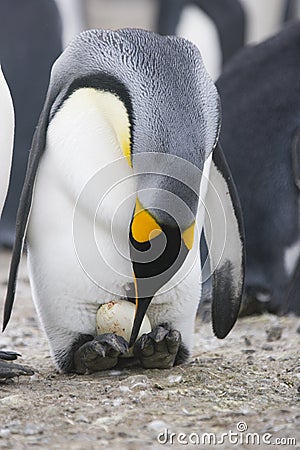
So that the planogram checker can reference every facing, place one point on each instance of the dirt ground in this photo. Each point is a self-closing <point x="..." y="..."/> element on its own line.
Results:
<point x="249" y="380"/>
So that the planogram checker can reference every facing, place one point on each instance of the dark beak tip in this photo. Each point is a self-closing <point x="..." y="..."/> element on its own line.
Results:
<point x="131" y="340"/>
<point x="134" y="334"/>
<point x="142" y="307"/>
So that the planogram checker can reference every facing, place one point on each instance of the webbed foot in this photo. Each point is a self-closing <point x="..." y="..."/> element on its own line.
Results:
<point x="101" y="353"/>
<point x="10" y="370"/>
<point x="158" y="349"/>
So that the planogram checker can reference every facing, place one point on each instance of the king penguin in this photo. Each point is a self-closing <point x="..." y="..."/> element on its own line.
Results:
<point x="217" y="27"/>
<point x="260" y="93"/>
<point x="27" y="55"/>
<point x="124" y="172"/>
<point x="7" y="124"/>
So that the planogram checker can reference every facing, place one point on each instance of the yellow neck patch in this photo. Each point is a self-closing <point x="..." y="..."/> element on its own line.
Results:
<point x="144" y="227"/>
<point x="188" y="236"/>
<point x="117" y="116"/>
<point x="119" y="120"/>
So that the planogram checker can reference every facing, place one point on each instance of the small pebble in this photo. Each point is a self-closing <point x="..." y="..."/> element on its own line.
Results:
<point x="4" y="432"/>
<point x="247" y="341"/>
<point x="274" y="333"/>
<point x="117" y="401"/>
<point x="14" y="401"/>
<point x="137" y="381"/>
<point x="82" y="419"/>
<point x="157" y="425"/>
<point x="267" y="347"/>
<point x="124" y="388"/>
<point x="107" y="421"/>
<point x="31" y="430"/>
<point x="250" y="360"/>
<point x="115" y="373"/>
<point x="174" y="379"/>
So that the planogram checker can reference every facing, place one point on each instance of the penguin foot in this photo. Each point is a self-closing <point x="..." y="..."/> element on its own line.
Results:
<point x="8" y="356"/>
<point x="11" y="370"/>
<point x="158" y="349"/>
<point x="99" y="354"/>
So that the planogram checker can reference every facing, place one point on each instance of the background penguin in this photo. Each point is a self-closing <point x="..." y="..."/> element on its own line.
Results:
<point x="260" y="94"/>
<point x="28" y="47"/>
<point x="7" y="121"/>
<point x="216" y="27"/>
<point x="220" y="28"/>
<point x="7" y="370"/>
<point x="123" y="150"/>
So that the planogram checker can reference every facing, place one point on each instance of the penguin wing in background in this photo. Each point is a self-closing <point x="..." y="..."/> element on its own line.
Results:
<point x="7" y="122"/>
<point x="293" y="290"/>
<point x="224" y="233"/>
<point x="37" y="149"/>
<point x="292" y="303"/>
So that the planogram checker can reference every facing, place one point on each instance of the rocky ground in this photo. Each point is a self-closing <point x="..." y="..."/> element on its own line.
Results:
<point x="249" y="380"/>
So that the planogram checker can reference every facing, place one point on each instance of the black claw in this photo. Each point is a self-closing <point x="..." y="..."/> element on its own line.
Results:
<point x="146" y="345"/>
<point x="173" y="341"/>
<point x="9" y="356"/>
<point x="114" y="342"/>
<point x="97" y="350"/>
<point x="159" y="334"/>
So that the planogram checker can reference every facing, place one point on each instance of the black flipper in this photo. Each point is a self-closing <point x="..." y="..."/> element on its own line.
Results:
<point x="224" y="233"/>
<point x="292" y="301"/>
<point x="37" y="149"/>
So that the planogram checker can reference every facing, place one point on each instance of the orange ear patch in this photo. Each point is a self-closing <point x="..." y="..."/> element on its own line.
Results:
<point x="144" y="227"/>
<point x="188" y="236"/>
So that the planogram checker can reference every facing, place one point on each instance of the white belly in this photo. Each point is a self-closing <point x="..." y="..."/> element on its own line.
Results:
<point x="78" y="230"/>
<point x="63" y="263"/>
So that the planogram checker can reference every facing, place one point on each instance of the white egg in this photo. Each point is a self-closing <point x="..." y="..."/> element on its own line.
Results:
<point x="117" y="317"/>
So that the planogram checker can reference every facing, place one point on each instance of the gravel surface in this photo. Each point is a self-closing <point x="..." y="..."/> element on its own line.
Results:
<point x="249" y="380"/>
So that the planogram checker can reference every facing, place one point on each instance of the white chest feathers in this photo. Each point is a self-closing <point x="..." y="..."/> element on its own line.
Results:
<point x="84" y="192"/>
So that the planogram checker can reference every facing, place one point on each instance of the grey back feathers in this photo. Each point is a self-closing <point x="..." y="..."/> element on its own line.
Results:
<point x="165" y="73"/>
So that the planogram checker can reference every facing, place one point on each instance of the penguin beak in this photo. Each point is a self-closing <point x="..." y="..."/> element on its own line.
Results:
<point x="141" y="306"/>
<point x="157" y="252"/>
